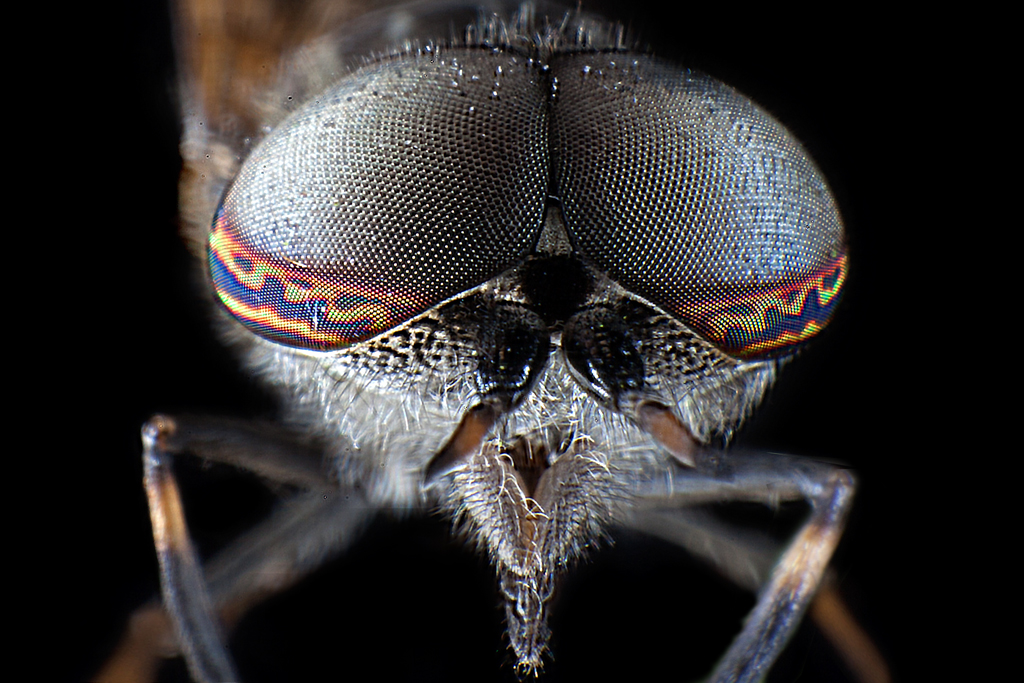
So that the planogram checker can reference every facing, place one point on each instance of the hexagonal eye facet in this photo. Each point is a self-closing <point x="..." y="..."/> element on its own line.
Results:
<point x="418" y="178"/>
<point x="692" y="197"/>
<point x="408" y="182"/>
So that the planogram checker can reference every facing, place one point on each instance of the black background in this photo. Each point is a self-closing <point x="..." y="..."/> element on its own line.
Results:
<point x="872" y="95"/>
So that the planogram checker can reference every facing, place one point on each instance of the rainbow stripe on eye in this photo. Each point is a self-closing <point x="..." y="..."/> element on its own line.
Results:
<point x="292" y="305"/>
<point x="769" y="321"/>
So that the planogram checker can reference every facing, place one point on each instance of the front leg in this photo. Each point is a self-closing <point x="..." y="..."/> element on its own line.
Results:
<point x="185" y="595"/>
<point x="793" y="583"/>
<point x="768" y="479"/>
<point x="304" y="532"/>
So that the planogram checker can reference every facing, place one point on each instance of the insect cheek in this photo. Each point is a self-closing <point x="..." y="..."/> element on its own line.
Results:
<point x="603" y="355"/>
<point x="513" y="349"/>
<point x="511" y="346"/>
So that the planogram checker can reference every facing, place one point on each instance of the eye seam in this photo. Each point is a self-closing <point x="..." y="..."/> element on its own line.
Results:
<point x="326" y="313"/>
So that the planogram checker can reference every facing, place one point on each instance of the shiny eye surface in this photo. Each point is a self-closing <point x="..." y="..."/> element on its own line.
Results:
<point x="418" y="178"/>
<point x="690" y="196"/>
<point x="405" y="184"/>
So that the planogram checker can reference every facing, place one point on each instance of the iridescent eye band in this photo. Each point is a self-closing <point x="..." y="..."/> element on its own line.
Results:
<point x="767" y="321"/>
<point x="295" y="305"/>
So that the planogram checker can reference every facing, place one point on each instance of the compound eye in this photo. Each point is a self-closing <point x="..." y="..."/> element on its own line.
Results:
<point x="407" y="183"/>
<point x="693" y="198"/>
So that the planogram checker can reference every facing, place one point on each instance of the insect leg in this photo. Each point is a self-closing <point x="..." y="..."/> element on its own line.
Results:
<point x="304" y="532"/>
<point x="181" y="579"/>
<point x="267" y="450"/>
<point x="745" y="557"/>
<point x="768" y="479"/>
